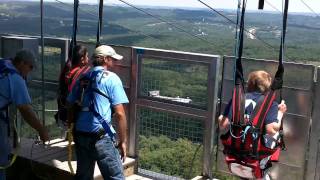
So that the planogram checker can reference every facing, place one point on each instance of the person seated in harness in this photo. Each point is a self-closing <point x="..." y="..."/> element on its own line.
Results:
<point x="13" y="90"/>
<point x="259" y="83"/>
<point x="96" y="93"/>
<point x="67" y="79"/>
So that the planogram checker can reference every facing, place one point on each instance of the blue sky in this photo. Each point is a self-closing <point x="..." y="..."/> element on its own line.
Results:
<point x="271" y="5"/>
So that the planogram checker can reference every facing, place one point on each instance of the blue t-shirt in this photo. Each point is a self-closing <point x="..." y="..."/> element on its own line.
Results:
<point x="13" y="89"/>
<point x="109" y="84"/>
<point x="250" y="104"/>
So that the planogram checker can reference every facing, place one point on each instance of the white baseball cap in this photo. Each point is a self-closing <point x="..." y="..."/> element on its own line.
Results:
<point x="105" y="50"/>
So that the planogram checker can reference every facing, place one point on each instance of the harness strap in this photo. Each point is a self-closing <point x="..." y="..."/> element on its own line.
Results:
<point x="4" y="115"/>
<point x="257" y="109"/>
<point x="261" y="4"/>
<point x="259" y="117"/>
<point x="237" y="115"/>
<point x="14" y="157"/>
<point x="278" y="80"/>
<point x="246" y="154"/>
<point x="106" y="126"/>
<point x="238" y="66"/>
<point x="74" y="29"/>
<point x="71" y="74"/>
<point x="99" y="28"/>
<point x="4" y="110"/>
<point x="238" y="92"/>
<point x="73" y="44"/>
<point x="75" y="76"/>
<point x="251" y="129"/>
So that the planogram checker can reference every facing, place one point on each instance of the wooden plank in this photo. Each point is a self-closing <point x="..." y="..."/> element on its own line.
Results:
<point x="55" y="158"/>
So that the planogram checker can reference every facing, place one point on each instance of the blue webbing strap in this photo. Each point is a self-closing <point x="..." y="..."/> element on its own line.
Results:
<point x="106" y="126"/>
<point x="4" y="110"/>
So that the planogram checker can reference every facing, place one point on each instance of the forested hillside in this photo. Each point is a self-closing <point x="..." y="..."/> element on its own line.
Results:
<point x="201" y="31"/>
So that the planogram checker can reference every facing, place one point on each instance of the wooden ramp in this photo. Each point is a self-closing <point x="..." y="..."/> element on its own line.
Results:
<point x="50" y="162"/>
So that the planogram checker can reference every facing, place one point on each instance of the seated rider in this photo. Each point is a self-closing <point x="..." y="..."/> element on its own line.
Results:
<point x="259" y="83"/>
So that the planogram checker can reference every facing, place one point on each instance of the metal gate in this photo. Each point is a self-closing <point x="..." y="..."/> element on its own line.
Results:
<point x="173" y="98"/>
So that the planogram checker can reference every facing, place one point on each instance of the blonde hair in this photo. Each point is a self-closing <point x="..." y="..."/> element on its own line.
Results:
<point x="259" y="81"/>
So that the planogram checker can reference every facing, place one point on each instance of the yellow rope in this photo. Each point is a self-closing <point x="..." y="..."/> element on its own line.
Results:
<point x="14" y="154"/>
<point x="70" y="140"/>
<point x="11" y="162"/>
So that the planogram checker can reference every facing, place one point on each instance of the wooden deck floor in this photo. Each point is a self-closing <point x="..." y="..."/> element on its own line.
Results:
<point x="53" y="158"/>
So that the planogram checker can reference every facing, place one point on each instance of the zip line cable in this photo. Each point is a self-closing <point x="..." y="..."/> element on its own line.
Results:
<point x="95" y="16"/>
<point x="310" y="8"/>
<point x="159" y="18"/>
<point x="67" y="4"/>
<point x="271" y="5"/>
<point x="139" y="32"/>
<point x="181" y="29"/>
<point x="231" y="21"/>
<point x="135" y="31"/>
<point x="175" y="26"/>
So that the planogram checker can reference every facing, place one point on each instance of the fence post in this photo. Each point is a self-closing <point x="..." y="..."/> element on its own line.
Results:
<point x="209" y="136"/>
<point x="313" y="160"/>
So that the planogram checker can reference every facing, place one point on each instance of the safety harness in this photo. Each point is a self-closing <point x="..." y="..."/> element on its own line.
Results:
<point x="245" y="146"/>
<point x="5" y="70"/>
<point x="67" y="82"/>
<point x="74" y="74"/>
<point x="88" y="85"/>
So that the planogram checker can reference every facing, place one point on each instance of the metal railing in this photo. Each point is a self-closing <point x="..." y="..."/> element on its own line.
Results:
<point x="172" y="111"/>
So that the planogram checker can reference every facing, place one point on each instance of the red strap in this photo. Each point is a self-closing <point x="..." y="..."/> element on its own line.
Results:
<point x="238" y="104"/>
<point x="275" y="155"/>
<point x="76" y="75"/>
<point x="258" y="119"/>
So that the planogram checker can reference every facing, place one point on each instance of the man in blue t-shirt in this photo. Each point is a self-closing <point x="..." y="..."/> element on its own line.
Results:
<point x="14" y="90"/>
<point x="98" y="99"/>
